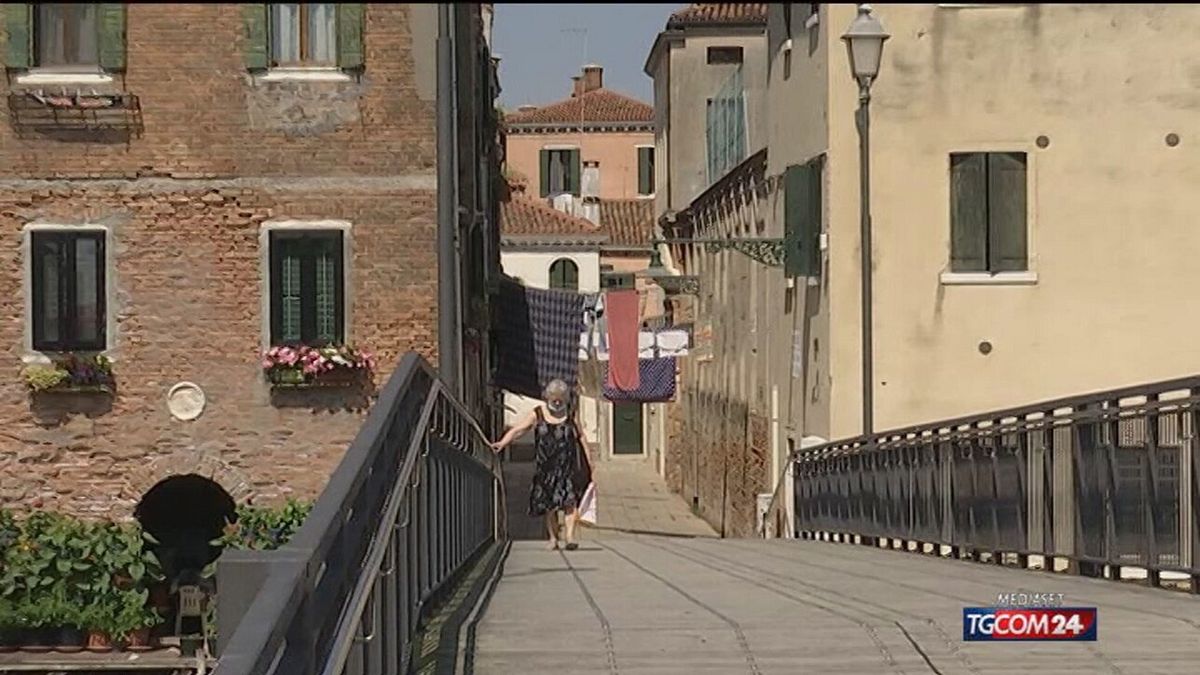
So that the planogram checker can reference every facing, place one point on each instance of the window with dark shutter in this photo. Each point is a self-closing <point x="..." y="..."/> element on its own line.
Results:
<point x="724" y="55"/>
<point x="560" y="171"/>
<point x="307" y="288"/>
<point x="564" y="275"/>
<point x="988" y="217"/>
<point x="308" y="34"/>
<point x="645" y="170"/>
<point x="68" y="288"/>
<point x="802" y="186"/>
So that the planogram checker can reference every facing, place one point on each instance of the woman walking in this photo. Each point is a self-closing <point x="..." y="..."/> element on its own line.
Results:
<point x="562" y="471"/>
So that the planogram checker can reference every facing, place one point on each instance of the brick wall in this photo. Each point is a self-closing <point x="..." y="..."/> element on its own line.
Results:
<point x="220" y="155"/>
<point x="718" y="452"/>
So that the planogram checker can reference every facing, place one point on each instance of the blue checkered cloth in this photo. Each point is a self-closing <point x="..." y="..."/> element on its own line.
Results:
<point x="656" y="385"/>
<point x="538" y="337"/>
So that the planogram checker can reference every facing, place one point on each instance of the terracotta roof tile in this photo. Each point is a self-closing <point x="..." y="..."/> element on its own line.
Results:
<point x="628" y="222"/>
<point x="598" y="105"/>
<point x="524" y="216"/>
<point x="705" y="14"/>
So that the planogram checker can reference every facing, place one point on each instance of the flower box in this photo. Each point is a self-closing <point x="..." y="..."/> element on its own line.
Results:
<point x="315" y="367"/>
<point x="72" y="374"/>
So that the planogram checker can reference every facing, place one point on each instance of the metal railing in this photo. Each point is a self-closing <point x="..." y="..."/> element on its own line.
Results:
<point x="417" y="495"/>
<point x="1104" y="479"/>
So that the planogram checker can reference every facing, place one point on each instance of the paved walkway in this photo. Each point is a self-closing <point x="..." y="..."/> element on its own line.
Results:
<point x="682" y="601"/>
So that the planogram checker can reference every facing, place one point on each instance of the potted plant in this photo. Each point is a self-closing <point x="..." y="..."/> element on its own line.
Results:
<point x="332" y="365"/>
<point x="134" y="619"/>
<point x="39" y="618"/>
<point x="98" y="619"/>
<point x="12" y="630"/>
<point x="72" y="373"/>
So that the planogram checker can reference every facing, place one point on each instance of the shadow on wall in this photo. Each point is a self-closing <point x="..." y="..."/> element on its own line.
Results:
<point x="52" y="409"/>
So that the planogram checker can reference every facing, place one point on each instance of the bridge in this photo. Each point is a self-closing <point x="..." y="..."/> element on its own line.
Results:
<point x="411" y="562"/>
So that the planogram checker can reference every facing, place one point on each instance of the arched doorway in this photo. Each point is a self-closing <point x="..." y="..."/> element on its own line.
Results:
<point x="185" y="514"/>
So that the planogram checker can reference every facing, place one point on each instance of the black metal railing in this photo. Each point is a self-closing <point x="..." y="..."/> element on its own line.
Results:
<point x="417" y="495"/>
<point x="1104" y="479"/>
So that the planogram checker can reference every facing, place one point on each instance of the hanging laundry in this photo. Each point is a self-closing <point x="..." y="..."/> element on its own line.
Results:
<point x="646" y="345"/>
<point x="621" y="314"/>
<point x="656" y="383"/>
<point x="671" y="342"/>
<point x="538" y="337"/>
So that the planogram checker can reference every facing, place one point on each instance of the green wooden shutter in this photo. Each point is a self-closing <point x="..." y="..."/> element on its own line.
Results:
<point x="255" y="50"/>
<point x="350" y="19"/>
<point x="18" y="24"/>
<point x="1007" y="232"/>
<point x="544" y="172"/>
<point x="802" y="219"/>
<point x="110" y="24"/>
<point x="573" y="170"/>
<point x="968" y="212"/>
<point x="645" y="171"/>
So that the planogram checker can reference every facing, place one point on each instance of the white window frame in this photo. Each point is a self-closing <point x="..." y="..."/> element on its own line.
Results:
<point x="301" y="73"/>
<point x="31" y="356"/>
<point x="264" y="266"/>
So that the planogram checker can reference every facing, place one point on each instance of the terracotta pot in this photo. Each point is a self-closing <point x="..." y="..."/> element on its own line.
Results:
<point x="98" y="641"/>
<point x="70" y="640"/>
<point x="140" y="641"/>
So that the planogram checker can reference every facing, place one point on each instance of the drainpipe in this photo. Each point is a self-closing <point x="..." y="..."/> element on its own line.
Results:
<point x="449" y="330"/>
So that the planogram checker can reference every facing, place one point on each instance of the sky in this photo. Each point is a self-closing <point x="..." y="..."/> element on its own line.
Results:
<point x="538" y="56"/>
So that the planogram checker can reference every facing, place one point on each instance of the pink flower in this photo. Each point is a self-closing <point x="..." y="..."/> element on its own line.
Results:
<point x="288" y="356"/>
<point x="267" y="363"/>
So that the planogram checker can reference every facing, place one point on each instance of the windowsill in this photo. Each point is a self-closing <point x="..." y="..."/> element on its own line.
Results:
<point x="52" y="77"/>
<point x="303" y="75"/>
<point x="1028" y="278"/>
<point x="649" y="196"/>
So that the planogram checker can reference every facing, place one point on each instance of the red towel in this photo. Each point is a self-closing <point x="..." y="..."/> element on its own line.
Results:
<point x="621" y="313"/>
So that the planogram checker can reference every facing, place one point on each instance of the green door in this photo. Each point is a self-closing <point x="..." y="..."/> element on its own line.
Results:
<point x="627" y="428"/>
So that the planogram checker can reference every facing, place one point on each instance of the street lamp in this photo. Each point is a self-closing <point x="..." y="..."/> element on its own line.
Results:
<point x="672" y="284"/>
<point x="864" y="45"/>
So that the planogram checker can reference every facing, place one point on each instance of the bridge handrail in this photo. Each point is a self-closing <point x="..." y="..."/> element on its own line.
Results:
<point x="307" y="614"/>
<point x="1101" y="480"/>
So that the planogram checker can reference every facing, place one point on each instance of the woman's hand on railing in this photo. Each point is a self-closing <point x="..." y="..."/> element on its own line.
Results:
<point x="498" y="446"/>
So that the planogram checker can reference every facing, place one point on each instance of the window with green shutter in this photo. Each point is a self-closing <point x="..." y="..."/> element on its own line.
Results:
<point x="646" y="170"/>
<point x="564" y="275"/>
<point x="802" y="185"/>
<point x="307" y="288"/>
<point x="305" y="35"/>
<point x="988" y="217"/>
<point x="65" y="36"/>
<point x="560" y="171"/>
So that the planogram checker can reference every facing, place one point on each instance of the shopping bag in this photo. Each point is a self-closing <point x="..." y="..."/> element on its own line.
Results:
<point x="587" y="505"/>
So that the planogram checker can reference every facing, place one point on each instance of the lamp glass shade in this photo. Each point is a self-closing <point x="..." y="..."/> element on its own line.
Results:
<point x="864" y="44"/>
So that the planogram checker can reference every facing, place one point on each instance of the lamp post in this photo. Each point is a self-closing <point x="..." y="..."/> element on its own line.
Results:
<point x="864" y="44"/>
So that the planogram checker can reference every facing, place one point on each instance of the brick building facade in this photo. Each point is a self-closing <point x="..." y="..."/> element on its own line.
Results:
<point x="194" y="147"/>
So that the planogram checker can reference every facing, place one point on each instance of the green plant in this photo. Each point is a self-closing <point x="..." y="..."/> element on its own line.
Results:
<point x="99" y="615"/>
<point x="44" y="378"/>
<point x="265" y="528"/>
<point x="132" y="614"/>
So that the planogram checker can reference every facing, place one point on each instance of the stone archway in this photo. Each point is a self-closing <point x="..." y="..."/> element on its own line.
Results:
<point x="198" y="461"/>
<point x="185" y="514"/>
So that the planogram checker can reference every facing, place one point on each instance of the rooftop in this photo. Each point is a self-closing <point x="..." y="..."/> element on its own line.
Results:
<point x="628" y="222"/>
<point x="526" y="217"/>
<point x="718" y="13"/>
<point x="589" y="102"/>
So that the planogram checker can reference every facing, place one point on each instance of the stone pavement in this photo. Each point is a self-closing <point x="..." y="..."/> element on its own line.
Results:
<point x="683" y="601"/>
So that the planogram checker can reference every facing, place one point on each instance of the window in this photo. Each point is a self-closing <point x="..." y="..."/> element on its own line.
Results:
<point x="645" y="170"/>
<point x="987" y="212"/>
<point x="304" y="34"/>
<point x="559" y="171"/>
<point x="68" y="286"/>
<point x="65" y="35"/>
<point x="724" y="55"/>
<point x="307" y="287"/>
<point x="564" y="275"/>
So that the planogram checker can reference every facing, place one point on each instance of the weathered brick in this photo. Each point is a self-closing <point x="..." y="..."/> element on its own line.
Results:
<point x="185" y="232"/>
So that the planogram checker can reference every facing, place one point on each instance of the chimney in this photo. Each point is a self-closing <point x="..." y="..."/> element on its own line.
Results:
<point x="593" y="78"/>
<point x="576" y="86"/>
